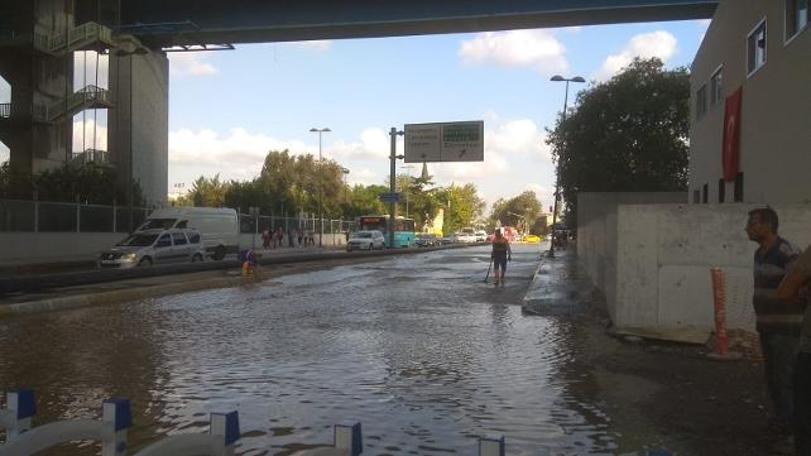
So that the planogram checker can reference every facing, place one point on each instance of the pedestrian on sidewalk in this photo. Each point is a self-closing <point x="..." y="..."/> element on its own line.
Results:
<point x="265" y="238"/>
<point x="299" y="234"/>
<point x="777" y="325"/>
<point x="500" y="254"/>
<point x="794" y="291"/>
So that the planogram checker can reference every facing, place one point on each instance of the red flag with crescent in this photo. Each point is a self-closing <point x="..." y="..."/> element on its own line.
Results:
<point x="731" y="154"/>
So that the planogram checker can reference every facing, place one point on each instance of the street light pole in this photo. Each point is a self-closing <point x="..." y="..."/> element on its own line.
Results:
<point x="558" y="78"/>
<point x="320" y="186"/>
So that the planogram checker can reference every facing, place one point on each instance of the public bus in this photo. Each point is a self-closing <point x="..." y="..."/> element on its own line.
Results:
<point x="404" y="234"/>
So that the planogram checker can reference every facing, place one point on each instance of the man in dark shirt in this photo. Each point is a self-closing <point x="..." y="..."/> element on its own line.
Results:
<point x="778" y="324"/>
<point x="794" y="290"/>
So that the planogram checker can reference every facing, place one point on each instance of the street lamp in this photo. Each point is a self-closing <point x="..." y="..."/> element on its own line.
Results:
<point x="320" y="186"/>
<point x="559" y="78"/>
<point x="346" y="173"/>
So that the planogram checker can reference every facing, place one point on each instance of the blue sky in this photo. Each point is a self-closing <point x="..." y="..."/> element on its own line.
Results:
<point x="228" y="108"/>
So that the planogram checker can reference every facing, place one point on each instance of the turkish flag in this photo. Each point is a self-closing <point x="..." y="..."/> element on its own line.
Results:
<point x="731" y="153"/>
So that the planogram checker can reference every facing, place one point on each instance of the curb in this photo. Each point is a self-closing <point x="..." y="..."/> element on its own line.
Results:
<point x="124" y="295"/>
<point x="152" y="291"/>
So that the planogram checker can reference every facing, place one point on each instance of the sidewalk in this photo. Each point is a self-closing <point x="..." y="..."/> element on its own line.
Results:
<point x="656" y="395"/>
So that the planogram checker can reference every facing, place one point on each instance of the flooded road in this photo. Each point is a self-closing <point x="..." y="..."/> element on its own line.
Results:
<point x="416" y="347"/>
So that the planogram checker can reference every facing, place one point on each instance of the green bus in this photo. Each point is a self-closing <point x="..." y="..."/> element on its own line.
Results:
<point x="404" y="234"/>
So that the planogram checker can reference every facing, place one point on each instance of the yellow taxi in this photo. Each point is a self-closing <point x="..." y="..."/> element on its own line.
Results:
<point x="532" y="239"/>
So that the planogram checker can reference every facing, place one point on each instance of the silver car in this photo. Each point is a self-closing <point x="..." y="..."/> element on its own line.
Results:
<point x="145" y="248"/>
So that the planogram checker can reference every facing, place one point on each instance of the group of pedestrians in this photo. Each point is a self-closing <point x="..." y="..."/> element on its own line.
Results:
<point x="294" y="237"/>
<point x="781" y="296"/>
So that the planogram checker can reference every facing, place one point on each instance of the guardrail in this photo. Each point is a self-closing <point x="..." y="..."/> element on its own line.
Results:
<point x="111" y="431"/>
<point x="22" y="439"/>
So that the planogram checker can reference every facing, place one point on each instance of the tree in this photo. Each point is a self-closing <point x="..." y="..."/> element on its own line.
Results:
<point x="85" y="182"/>
<point x="627" y="134"/>
<point x="463" y="206"/>
<point x="520" y="211"/>
<point x="208" y="192"/>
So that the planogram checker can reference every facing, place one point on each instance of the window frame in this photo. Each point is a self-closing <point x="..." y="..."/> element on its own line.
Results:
<point x="762" y="23"/>
<point x="786" y="38"/>
<point x="701" y="102"/>
<point x="719" y="91"/>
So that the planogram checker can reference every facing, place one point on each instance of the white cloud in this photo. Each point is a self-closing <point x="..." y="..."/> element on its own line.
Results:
<point x="85" y="141"/>
<point x="538" y="49"/>
<point x="544" y="193"/>
<point x="364" y="176"/>
<point x="659" y="44"/>
<point x="5" y="153"/>
<point x="520" y="136"/>
<point x="5" y="91"/>
<point x="185" y="64"/>
<point x="237" y="155"/>
<point x="84" y="69"/>
<point x="374" y="144"/>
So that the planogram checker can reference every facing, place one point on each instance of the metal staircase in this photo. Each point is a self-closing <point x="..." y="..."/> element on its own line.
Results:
<point x="88" y="97"/>
<point x="88" y="36"/>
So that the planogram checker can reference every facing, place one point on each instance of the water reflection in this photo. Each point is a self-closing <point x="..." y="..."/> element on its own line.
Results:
<point x="417" y="348"/>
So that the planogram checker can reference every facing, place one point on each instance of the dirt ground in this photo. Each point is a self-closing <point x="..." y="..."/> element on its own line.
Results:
<point x="671" y="396"/>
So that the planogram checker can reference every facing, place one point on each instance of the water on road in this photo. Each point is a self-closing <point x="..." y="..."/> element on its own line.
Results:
<point x="415" y="347"/>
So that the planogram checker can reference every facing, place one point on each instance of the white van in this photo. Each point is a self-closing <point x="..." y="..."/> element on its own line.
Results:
<point x="219" y="227"/>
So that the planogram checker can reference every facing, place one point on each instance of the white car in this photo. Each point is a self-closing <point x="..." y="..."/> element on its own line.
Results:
<point x="464" y="238"/>
<point x="365" y="240"/>
<point x="481" y="236"/>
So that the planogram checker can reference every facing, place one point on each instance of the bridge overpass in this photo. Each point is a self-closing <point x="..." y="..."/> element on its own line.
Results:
<point x="39" y="37"/>
<point x="186" y="22"/>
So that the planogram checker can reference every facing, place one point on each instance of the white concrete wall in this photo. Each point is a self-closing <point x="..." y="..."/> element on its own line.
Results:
<point x="664" y="253"/>
<point x="597" y="234"/>
<point x="21" y="248"/>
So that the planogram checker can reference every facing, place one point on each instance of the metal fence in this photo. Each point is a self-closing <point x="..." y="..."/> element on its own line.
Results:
<point x="47" y="216"/>
<point x="258" y="224"/>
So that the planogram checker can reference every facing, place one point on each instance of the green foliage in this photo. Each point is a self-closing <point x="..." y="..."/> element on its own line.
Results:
<point x="627" y="134"/>
<point x="89" y="182"/>
<point x="521" y="211"/>
<point x="292" y="184"/>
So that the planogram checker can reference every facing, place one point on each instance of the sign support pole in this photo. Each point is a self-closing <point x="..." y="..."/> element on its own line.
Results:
<point x="392" y="189"/>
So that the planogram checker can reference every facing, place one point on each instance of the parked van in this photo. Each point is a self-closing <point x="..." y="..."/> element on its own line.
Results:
<point x="219" y="227"/>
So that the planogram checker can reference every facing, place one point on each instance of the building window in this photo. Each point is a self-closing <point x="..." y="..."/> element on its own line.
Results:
<point x="716" y="88"/>
<point x="796" y="17"/>
<point x="705" y="194"/>
<point x="739" y="188"/>
<point x="696" y="196"/>
<point x="701" y="102"/>
<point x="722" y="190"/>
<point x="756" y="47"/>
